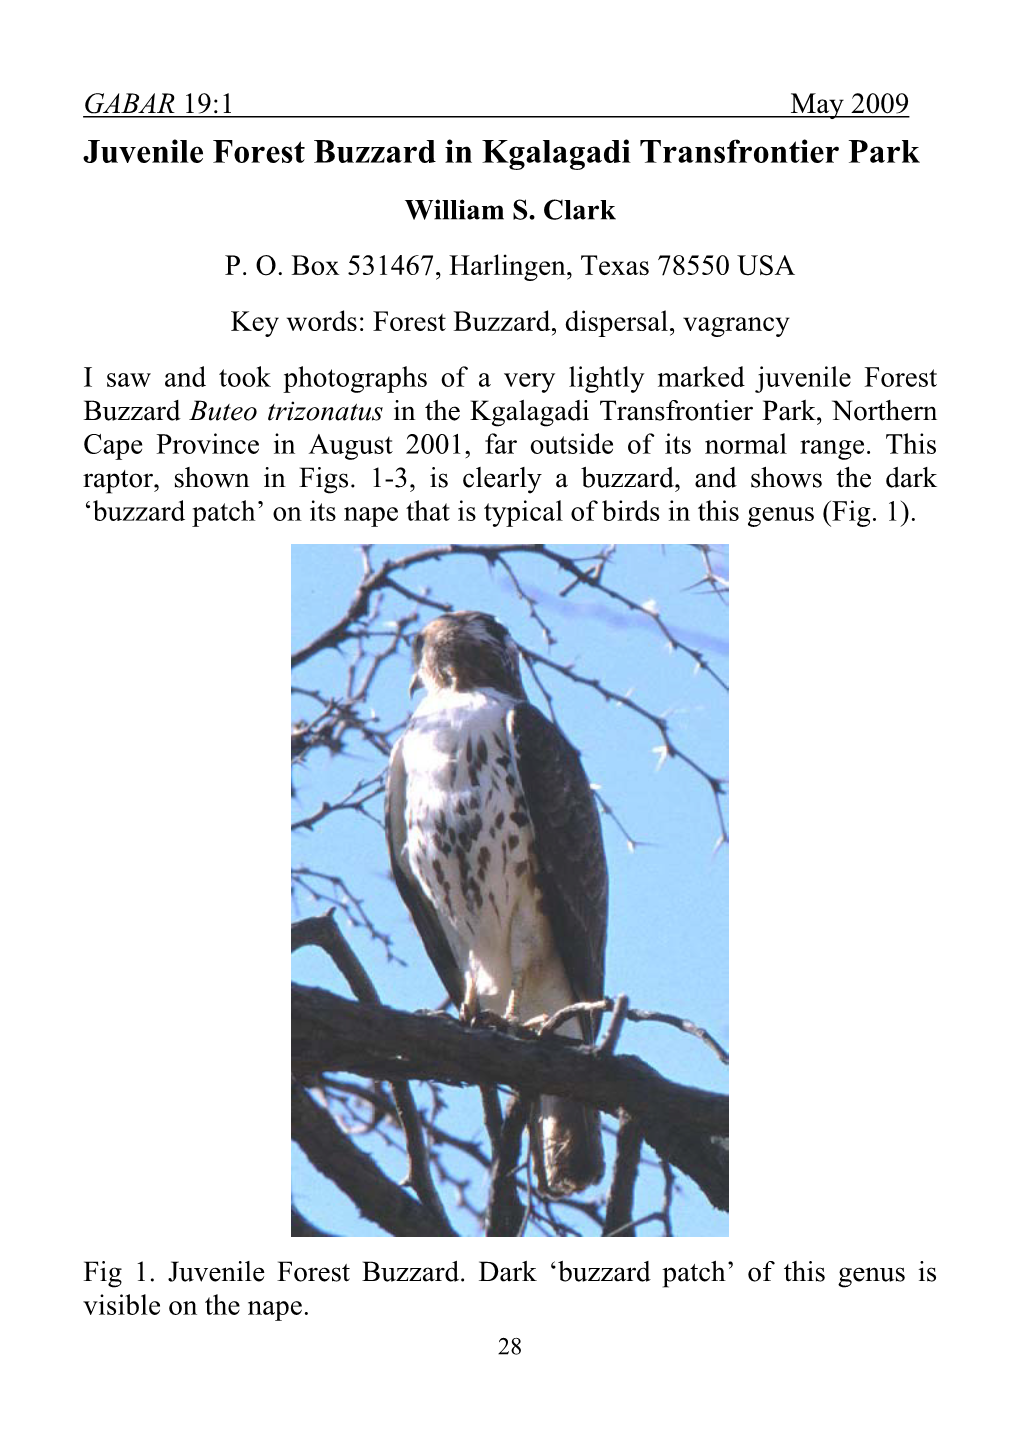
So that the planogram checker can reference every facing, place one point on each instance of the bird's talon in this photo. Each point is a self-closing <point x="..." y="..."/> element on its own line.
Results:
<point x="493" y="1020"/>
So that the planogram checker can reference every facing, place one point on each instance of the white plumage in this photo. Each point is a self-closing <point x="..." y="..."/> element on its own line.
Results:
<point x="470" y="846"/>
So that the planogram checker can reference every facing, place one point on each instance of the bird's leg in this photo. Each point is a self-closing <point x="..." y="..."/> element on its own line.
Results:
<point x="472" y="1014"/>
<point x="518" y="968"/>
<point x="469" y="1009"/>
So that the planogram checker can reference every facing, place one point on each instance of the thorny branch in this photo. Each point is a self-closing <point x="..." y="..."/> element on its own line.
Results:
<point x="382" y="577"/>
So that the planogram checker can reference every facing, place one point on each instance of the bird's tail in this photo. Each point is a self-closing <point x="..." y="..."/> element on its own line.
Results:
<point x="566" y="1145"/>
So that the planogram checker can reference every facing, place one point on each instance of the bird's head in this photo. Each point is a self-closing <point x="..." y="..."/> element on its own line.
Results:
<point x="465" y="650"/>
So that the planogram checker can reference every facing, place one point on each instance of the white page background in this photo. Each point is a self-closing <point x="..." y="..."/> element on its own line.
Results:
<point x="872" y="740"/>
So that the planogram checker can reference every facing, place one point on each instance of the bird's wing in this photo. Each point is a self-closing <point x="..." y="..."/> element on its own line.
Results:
<point x="423" y="915"/>
<point x="568" y="837"/>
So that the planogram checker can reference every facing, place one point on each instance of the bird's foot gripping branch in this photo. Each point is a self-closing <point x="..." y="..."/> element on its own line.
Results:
<point x="686" y="1128"/>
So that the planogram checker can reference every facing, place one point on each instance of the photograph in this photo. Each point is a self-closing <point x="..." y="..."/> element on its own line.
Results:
<point x="510" y="835"/>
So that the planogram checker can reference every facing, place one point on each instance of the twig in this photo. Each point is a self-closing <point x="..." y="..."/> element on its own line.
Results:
<point x="634" y="1015"/>
<point x="632" y="1224"/>
<point x="667" y="747"/>
<point x="422" y="598"/>
<point x="343" y="898"/>
<point x="645" y="1015"/>
<point x="344" y="805"/>
<point x="608" y="1044"/>
<point x="529" y="1196"/>
<point x="382" y="1105"/>
<point x="668" y="1185"/>
<point x="620" y="1204"/>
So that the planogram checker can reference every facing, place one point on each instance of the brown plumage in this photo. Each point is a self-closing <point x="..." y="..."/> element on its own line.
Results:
<point x="496" y="848"/>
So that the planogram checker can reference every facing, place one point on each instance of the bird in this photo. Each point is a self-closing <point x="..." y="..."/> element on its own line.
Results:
<point x="496" y="848"/>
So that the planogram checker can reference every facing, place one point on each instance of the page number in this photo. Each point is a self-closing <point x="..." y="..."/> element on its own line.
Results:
<point x="509" y="1347"/>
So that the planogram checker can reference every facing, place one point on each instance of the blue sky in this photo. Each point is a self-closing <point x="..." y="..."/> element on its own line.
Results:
<point x="668" y="897"/>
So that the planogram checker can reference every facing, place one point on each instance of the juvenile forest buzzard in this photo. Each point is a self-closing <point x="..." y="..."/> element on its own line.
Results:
<point x="496" y="848"/>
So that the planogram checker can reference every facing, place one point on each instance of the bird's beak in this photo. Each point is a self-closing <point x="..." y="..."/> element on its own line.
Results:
<point x="416" y="683"/>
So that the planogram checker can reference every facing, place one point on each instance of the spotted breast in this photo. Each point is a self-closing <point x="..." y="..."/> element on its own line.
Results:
<point x="470" y="843"/>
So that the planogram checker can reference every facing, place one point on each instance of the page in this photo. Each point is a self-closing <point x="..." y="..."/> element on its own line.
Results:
<point x="493" y="364"/>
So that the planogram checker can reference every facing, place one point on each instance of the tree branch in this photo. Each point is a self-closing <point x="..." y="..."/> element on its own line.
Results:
<point x="682" y="1124"/>
<point x="505" y="1213"/>
<point x="324" y="932"/>
<point x="620" y="1204"/>
<point x="360" y="1178"/>
<point x="302" y="1228"/>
